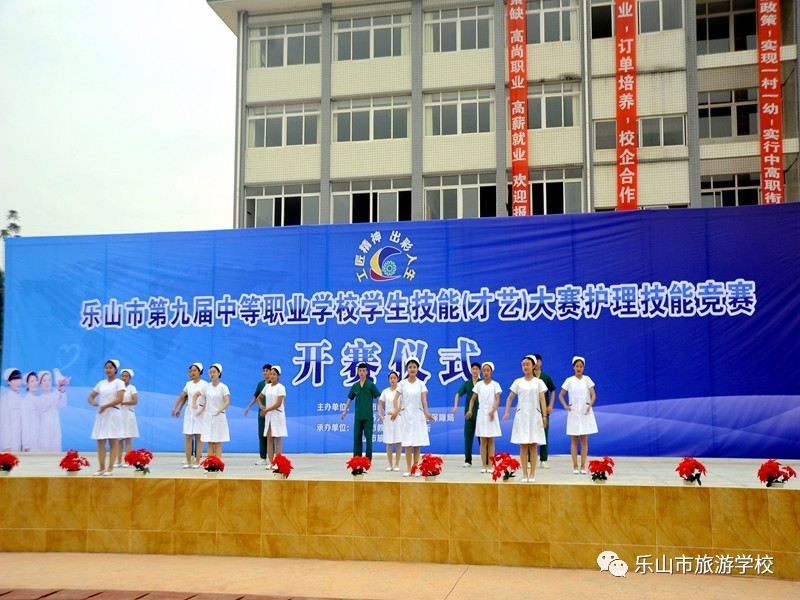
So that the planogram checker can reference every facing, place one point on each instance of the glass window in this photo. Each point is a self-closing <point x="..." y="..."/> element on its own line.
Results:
<point x="559" y="103"/>
<point x="275" y="206"/>
<point x="371" y="37"/>
<point x="371" y="119"/>
<point x="602" y="19"/>
<point x="276" y="126"/>
<point x="372" y="201"/>
<point x="726" y="26"/>
<point x="458" y="29"/>
<point x="460" y="196"/>
<point x="660" y="15"/>
<point x="605" y="135"/>
<point x="728" y="113"/>
<point x="731" y="190"/>
<point x="556" y="191"/>
<point x="284" y="45"/>
<point x="451" y="113"/>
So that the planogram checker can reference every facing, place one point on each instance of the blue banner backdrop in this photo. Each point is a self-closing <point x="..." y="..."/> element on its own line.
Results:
<point x="689" y="321"/>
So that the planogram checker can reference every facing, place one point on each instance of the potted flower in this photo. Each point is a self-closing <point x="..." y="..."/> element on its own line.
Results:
<point x="775" y="475"/>
<point x="7" y="462"/>
<point x="139" y="459"/>
<point x="504" y="466"/>
<point x="213" y="465"/>
<point x="429" y="466"/>
<point x="73" y="462"/>
<point x="359" y="465"/>
<point x="281" y="466"/>
<point x="601" y="469"/>
<point x="691" y="469"/>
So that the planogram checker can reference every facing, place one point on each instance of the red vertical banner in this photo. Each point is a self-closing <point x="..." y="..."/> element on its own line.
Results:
<point x="770" y="101"/>
<point x="518" y="102"/>
<point x="627" y="130"/>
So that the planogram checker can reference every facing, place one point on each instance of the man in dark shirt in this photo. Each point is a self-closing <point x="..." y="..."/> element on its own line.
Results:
<point x="262" y="441"/>
<point x="469" y="424"/>
<point x="363" y="391"/>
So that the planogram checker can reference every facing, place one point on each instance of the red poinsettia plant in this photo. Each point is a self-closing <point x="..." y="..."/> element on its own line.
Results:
<point x="601" y="469"/>
<point x="504" y="466"/>
<point x="73" y="461"/>
<point x="139" y="459"/>
<point x="213" y="464"/>
<point x="691" y="469"/>
<point x="281" y="465"/>
<point x="771" y="472"/>
<point x="8" y="461"/>
<point x="428" y="466"/>
<point x="359" y="465"/>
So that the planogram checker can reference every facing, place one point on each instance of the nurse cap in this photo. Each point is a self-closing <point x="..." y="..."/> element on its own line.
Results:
<point x="128" y="371"/>
<point x="218" y="367"/>
<point x="578" y="358"/>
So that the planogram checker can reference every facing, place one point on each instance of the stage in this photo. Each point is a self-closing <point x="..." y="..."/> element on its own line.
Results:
<point x="732" y="524"/>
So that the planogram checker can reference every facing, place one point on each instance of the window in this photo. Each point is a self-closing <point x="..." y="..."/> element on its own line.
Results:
<point x="731" y="190"/>
<point x="371" y="37"/>
<point x="458" y="29"/>
<point x="661" y="131"/>
<point x="728" y="113"/>
<point x="451" y="113"/>
<point x="284" y="45"/>
<point x="276" y="126"/>
<point x="371" y="119"/>
<point x="553" y="105"/>
<point x="725" y="26"/>
<point x="602" y="19"/>
<point x="274" y="206"/>
<point x="605" y="135"/>
<point x="460" y="196"/>
<point x="371" y="201"/>
<point x="556" y="191"/>
<point x="552" y="21"/>
<point x="660" y="15"/>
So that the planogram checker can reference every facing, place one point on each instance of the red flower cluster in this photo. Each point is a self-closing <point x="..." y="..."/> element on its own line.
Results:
<point x="359" y="465"/>
<point x="772" y="472"/>
<point x="504" y="466"/>
<point x="8" y="461"/>
<point x="601" y="469"/>
<point x="282" y="465"/>
<point x="213" y="463"/>
<point x="691" y="469"/>
<point x="73" y="461"/>
<point x="428" y="466"/>
<point x="139" y="459"/>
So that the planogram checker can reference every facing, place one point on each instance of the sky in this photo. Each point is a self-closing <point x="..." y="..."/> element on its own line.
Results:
<point x="116" y="116"/>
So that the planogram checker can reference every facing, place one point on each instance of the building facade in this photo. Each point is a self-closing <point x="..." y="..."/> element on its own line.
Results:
<point x="359" y="111"/>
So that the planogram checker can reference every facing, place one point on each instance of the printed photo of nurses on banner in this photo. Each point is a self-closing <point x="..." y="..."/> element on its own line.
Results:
<point x="688" y="321"/>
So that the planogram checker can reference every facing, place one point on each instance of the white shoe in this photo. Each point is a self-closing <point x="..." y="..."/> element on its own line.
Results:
<point x="531" y="480"/>
<point x="186" y="466"/>
<point x="98" y="473"/>
<point x="108" y="473"/>
<point x="545" y="465"/>
<point x="417" y="474"/>
<point x="388" y="468"/>
<point x="575" y="472"/>
<point x="524" y="480"/>
<point x="583" y="471"/>
<point x="484" y="470"/>
<point x="406" y="474"/>
<point x="196" y="466"/>
<point x="397" y="468"/>
<point x="117" y="465"/>
<point x="466" y="465"/>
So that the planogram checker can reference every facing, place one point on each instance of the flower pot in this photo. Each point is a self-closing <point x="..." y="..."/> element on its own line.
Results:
<point x="778" y="484"/>
<point x="430" y="477"/>
<point x="277" y="475"/>
<point x="212" y="474"/>
<point x="139" y="473"/>
<point x="358" y="477"/>
<point x="4" y="473"/>
<point x="72" y="473"/>
<point x="599" y="480"/>
<point x="687" y="482"/>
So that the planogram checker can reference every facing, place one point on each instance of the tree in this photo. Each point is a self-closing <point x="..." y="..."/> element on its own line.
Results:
<point x="12" y="229"/>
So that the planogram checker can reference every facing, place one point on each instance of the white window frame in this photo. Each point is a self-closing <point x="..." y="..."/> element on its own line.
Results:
<point x="707" y="188"/>
<point x="572" y="177"/>
<point x="703" y="47"/>
<point x="258" y="199"/>
<point x="539" y="15"/>
<point x="662" y="7"/>
<point x="435" y="105"/>
<point x="458" y="18"/>
<point x="605" y="122"/>
<point x="282" y="114"/>
<point x="734" y="104"/>
<point x="545" y="94"/>
<point x="396" y="105"/>
<point x="603" y="5"/>
<point x="439" y="190"/>
<point x="660" y="121"/>
<point x="260" y="38"/>
<point x="399" y="25"/>
<point x="384" y="192"/>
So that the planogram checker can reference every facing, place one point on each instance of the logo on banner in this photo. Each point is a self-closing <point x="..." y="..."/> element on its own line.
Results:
<point x="385" y="256"/>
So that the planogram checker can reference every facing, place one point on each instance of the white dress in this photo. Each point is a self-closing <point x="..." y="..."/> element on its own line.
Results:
<point x="129" y="423"/>
<point x="414" y="427"/>
<point x="30" y="423"/>
<point x="392" y="430"/>
<point x="484" y="427"/>
<point x="108" y="424"/>
<point x="48" y="407"/>
<point x="11" y="421"/>
<point x="193" y="424"/>
<point x="276" y="419"/>
<point x="215" y="428"/>
<point x="578" y="422"/>
<point x="528" y="423"/>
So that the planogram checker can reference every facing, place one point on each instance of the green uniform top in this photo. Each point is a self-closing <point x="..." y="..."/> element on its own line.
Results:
<point x="364" y="396"/>
<point x="260" y="387"/>
<point x="549" y="383"/>
<point x="466" y="388"/>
